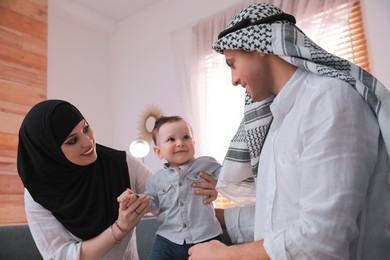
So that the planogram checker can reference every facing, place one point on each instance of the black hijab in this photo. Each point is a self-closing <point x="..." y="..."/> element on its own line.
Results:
<point x="82" y="198"/>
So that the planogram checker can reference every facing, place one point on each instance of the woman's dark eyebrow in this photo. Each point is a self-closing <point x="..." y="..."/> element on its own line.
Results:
<point x="71" y="135"/>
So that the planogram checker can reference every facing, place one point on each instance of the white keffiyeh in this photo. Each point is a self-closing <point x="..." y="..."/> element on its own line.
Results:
<point x="281" y="37"/>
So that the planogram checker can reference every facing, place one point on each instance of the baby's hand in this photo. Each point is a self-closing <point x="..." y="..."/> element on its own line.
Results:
<point x="125" y="196"/>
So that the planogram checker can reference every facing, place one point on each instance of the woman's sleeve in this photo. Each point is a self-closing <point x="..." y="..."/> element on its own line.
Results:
<point x="138" y="174"/>
<point x="50" y="236"/>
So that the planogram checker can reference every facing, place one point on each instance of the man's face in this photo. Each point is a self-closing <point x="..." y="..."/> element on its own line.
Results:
<point x="251" y="70"/>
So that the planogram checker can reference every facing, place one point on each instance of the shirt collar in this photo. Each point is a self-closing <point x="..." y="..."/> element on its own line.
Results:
<point x="186" y="164"/>
<point x="287" y="96"/>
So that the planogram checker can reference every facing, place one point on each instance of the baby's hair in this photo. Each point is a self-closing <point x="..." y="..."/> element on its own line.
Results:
<point x="162" y="121"/>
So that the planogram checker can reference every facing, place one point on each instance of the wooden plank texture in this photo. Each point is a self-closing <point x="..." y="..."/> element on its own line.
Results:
<point x="17" y="93"/>
<point x="11" y="184"/>
<point x="22" y="57"/>
<point x="8" y="142"/>
<point x="23" y="83"/>
<point x="7" y="164"/>
<point x="21" y="23"/>
<point x="10" y="123"/>
<point x="23" y="41"/>
<point x="11" y="107"/>
<point x="12" y="209"/>
<point x="25" y="8"/>
<point x="11" y="72"/>
<point x="11" y="37"/>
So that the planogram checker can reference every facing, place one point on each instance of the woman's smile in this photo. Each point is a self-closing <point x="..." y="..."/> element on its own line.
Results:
<point x="89" y="153"/>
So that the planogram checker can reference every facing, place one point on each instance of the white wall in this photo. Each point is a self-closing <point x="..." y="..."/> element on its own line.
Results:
<point x="142" y="64"/>
<point x="78" y="63"/>
<point x="114" y="73"/>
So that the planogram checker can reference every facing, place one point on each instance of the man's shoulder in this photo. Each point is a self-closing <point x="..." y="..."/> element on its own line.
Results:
<point x="325" y="82"/>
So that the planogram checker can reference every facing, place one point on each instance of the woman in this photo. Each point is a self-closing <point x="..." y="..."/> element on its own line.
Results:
<point x="72" y="184"/>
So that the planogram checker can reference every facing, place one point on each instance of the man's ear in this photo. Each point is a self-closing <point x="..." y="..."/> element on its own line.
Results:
<point x="261" y="54"/>
<point x="157" y="151"/>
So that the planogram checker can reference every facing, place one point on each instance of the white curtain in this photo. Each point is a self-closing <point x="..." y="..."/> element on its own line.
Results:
<point x="215" y="108"/>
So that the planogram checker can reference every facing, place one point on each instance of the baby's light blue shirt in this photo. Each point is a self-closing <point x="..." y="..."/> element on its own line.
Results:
<point x="182" y="214"/>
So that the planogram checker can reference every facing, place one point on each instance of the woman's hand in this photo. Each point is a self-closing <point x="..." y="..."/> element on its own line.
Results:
<point x="132" y="207"/>
<point x="125" y="196"/>
<point x="206" y="187"/>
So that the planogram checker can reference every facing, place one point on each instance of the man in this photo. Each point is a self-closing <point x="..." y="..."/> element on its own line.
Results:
<point x="322" y="178"/>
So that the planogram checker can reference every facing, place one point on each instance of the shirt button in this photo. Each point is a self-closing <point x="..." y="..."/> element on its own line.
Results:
<point x="184" y="225"/>
<point x="180" y="183"/>
<point x="181" y="204"/>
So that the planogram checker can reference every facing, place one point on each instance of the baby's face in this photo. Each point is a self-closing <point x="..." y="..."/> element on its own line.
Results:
<point x="175" y="143"/>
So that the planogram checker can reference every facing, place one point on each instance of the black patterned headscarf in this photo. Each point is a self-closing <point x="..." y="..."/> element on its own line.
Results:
<point x="265" y="28"/>
<point x="82" y="198"/>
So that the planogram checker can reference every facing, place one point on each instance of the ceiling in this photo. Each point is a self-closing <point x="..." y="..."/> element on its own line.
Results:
<point x="116" y="9"/>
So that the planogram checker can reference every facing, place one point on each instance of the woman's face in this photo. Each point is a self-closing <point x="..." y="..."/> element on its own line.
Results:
<point x="80" y="145"/>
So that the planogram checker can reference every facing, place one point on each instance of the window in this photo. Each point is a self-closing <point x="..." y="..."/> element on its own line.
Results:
<point x="224" y="105"/>
<point x="346" y="40"/>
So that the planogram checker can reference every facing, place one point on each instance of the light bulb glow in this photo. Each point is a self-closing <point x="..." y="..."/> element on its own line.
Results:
<point x="139" y="148"/>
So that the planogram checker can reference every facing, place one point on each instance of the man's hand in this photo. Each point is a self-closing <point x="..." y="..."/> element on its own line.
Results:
<point x="218" y="251"/>
<point x="206" y="187"/>
<point x="213" y="250"/>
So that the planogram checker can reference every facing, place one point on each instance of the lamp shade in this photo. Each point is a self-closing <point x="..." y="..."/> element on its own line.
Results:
<point x="139" y="148"/>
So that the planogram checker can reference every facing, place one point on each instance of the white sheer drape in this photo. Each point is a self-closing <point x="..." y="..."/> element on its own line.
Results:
<point x="214" y="107"/>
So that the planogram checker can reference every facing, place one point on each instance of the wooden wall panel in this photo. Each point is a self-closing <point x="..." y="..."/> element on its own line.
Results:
<point x="22" y="75"/>
<point x="23" y="83"/>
